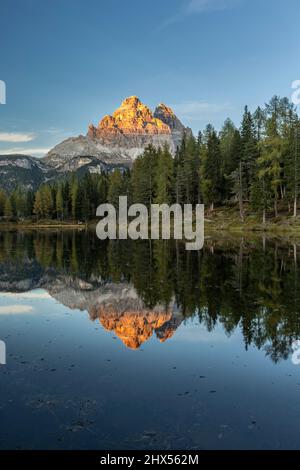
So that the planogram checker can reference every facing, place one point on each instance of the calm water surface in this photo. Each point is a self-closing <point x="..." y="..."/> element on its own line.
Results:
<point x="142" y="345"/>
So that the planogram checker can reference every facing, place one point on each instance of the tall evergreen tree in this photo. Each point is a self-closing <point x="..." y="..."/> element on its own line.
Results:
<point x="271" y="156"/>
<point x="143" y="182"/>
<point x="8" y="209"/>
<point x="210" y="170"/>
<point x="116" y="188"/>
<point x="187" y="169"/>
<point x="292" y="164"/>
<point x="38" y="205"/>
<point x="164" y="177"/>
<point x="230" y="145"/>
<point x="74" y="196"/>
<point x="249" y="149"/>
<point x="59" y="203"/>
<point x="3" y="198"/>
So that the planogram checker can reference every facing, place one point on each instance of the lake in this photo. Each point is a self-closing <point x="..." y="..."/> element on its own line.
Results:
<point x="143" y="345"/>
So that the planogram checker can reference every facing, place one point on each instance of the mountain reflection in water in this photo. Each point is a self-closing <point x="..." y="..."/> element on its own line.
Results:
<point x="137" y="289"/>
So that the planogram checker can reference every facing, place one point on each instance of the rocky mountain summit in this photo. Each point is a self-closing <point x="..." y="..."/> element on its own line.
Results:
<point x="117" y="306"/>
<point x="119" y="138"/>
<point x="114" y="143"/>
<point x="130" y="119"/>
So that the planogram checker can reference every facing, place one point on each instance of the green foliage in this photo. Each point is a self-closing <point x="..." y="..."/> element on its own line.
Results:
<point x="8" y="209"/>
<point x="164" y="177"/>
<point x="230" y="146"/>
<point x="3" y="198"/>
<point x="187" y="170"/>
<point x="143" y="177"/>
<point x="257" y="163"/>
<point x="210" y="172"/>
<point x="116" y="188"/>
<point x="59" y="203"/>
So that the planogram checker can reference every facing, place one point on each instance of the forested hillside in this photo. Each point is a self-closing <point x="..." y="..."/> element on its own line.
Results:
<point x="254" y="167"/>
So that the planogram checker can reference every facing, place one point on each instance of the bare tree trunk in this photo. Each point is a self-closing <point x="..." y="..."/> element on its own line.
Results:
<point x="264" y="216"/>
<point x="241" y="194"/>
<point x="240" y="265"/>
<point x="275" y="208"/>
<point x="295" y="206"/>
<point x="281" y="192"/>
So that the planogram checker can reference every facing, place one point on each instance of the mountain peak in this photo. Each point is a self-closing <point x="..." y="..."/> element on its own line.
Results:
<point x="166" y="109"/>
<point x="131" y="118"/>
<point x="133" y="101"/>
<point x="119" y="138"/>
<point x="167" y="115"/>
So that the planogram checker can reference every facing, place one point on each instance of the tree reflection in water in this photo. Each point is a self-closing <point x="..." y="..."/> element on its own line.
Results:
<point x="145" y="287"/>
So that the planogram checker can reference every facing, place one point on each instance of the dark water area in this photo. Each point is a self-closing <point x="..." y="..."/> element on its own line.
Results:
<point x="143" y="345"/>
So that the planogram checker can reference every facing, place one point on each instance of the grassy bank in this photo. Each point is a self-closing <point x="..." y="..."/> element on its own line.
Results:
<point x="221" y="219"/>
<point x="228" y="219"/>
<point x="44" y="224"/>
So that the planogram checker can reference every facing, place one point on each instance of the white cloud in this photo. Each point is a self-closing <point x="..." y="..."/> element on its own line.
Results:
<point x="192" y="7"/>
<point x="16" y="137"/>
<point x="199" y="110"/>
<point x="200" y="6"/>
<point x="27" y="295"/>
<point x="38" y="151"/>
<point x="15" y="309"/>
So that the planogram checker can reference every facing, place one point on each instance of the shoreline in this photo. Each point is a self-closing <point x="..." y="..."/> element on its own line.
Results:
<point x="221" y="220"/>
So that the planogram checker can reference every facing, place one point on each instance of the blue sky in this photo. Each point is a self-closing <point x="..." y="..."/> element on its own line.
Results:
<point x="67" y="63"/>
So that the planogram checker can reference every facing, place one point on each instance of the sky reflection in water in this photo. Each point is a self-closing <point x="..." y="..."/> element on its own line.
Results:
<point x="146" y="346"/>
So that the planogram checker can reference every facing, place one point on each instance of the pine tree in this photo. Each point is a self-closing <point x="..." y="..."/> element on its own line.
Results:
<point x="47" y="202"/>
<point x="29" y="203"/>
<point x="8" y="209"/>
<point x="66" y="195"/>
<point x="271" y="156"/>
<point x="18" y="200"/>
<point x="261" y="188"/>
<point x="116" y="188"/>
<point x="143" y="177"/>
<point x="292" y="163"/>
<point x="230" y="145"/>
<point x="259" y="120"/>
<point x="237" y="180"/>
<point x="38" y="205"/>
<point x="3" y="198"/>
<point x="164" y="177"/>
<point x="211" y="187"/>
<point x="186" y="170"/>
<point x="59" y="203"/>
<point x="249" y="149"/>
<point x="85" y="204"/>
<point x="74" y="193"/>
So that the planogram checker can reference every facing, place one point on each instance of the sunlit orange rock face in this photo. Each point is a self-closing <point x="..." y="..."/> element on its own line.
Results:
<point x="132" y="117"/>
<point x="134" y="327"/>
